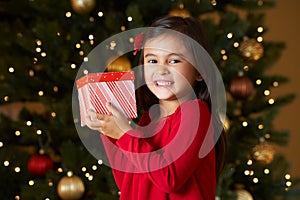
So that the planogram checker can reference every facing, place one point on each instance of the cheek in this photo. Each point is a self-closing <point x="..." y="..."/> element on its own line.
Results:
<point x="147" y="74"/>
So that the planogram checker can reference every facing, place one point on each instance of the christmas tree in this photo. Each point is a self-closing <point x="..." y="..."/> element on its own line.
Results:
<point x="43" y="45"/>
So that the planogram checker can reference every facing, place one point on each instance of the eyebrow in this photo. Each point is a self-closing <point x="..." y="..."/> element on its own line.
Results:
<point x="171" y="54"/>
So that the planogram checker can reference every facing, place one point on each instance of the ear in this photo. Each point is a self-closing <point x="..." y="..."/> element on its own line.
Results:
<point x="199" y="78"/>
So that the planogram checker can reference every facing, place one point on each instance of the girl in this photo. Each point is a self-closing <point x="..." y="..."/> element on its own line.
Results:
<point x="171" y="154"/>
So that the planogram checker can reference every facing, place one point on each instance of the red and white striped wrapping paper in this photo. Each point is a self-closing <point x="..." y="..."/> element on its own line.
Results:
<point x="96" y="89"/>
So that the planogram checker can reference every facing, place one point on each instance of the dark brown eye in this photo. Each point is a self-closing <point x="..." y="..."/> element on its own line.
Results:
<point x="173" y="61"/>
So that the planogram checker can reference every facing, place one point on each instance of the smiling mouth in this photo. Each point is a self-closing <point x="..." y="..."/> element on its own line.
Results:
<point x="163" y="83"/>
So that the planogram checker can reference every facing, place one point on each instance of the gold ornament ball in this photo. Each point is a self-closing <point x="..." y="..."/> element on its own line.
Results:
<point x="181" y="12"/>
<point x="83" y="6"/>
<point x="70" y="188"/>
<point x="121" y="64"/>
<point x="243" y="194"/>
<point x="251" y="50"/>
<point x="264" y="152"/>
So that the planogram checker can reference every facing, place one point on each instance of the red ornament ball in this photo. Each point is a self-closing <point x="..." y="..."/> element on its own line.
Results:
<point x="39" y="165"/>
<point x="241" y="87"/>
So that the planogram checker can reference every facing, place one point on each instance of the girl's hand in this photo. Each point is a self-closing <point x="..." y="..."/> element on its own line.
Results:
<point x="114" y="125"/>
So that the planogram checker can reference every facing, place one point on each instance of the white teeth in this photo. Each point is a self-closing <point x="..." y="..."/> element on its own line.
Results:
<point x="163" y="83"/>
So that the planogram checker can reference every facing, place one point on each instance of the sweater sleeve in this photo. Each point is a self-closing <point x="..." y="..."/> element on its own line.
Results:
<point x="172" y="165"/>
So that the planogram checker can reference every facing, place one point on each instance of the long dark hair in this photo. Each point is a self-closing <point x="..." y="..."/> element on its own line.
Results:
<point x="194" y="29"/>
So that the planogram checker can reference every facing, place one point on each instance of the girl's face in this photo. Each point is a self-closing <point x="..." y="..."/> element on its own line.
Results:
<point x="168" y="74"/>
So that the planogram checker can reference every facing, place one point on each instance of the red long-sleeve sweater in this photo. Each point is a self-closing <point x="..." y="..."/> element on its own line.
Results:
<point x="161" y="160"/>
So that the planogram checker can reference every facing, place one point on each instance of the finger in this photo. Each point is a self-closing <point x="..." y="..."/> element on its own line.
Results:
<point x="92" y="115"/>
<point x="95" y="125"/>
<point x="100" y="117"/>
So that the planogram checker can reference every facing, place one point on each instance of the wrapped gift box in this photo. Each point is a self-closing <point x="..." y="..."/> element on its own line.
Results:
<point x="96" y="89"/>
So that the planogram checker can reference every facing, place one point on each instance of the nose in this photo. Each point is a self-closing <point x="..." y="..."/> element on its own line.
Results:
<point x="162" y="69"/>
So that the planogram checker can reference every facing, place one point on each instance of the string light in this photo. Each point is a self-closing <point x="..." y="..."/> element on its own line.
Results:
<point x="112" y="46"/>
<point x="288" y="183"/>
<point x="17" y="169"/>
<point x="60" y="170"/>
<point x="100" y="162"/>
<point x="28" y="123"/>
<point x="91" y="37"/>
<point x="68" y="14"/>
<point x="260" y="29"/>
<point x="85" y="71"/>
<point x="267" y="136"/>
<point x="6" y="98"/>
<point x="94" y="167"/>
<point x="287" y="176"/>
<point x="6" y="163"/>
<point x="69" y="173"/>
<point x="223" y="52"/>
<point x="131" y="39"/>
<point x="91" y="177"/>
<point x="41" y="93"/>
<point x="17" y="133"/>
<point x="39" y="132"/>
<point x="81" y="53"/>
<point x="43" y="54"/>
<point x="38" y="49"/>
<point x="255" y="180"/>
<point x="123" y="28"/>
<point x="83" y="169"/>
<point x="244" y="124"/>
<point x="38" y="42"/>
<point x="236" y="44"/>
<point x="50" y="184"/>
<point x="11" y="70"/>
<point x="260" y="126"/>
<point x="271" y="101"/>
<point x="53" y="114"/>
<point x="35" y="60"/>
<point x="31" y="73"/>
<point x="260" y="39"/>
<point x="249" y="162"/>
<point x="229" y="35"/>
<point x="100" y="14"/>
<point x="275" y="84"/>
<point x="258" y="82"/>
<point x="267" y="92"/>
<point x="260" y="2"/>
<point x="31" y="182"/>
<point x="1" y="144"/>
<point x="266" y="171"/>
<point x="249" y="172"/>
<point x="129" y="19"/>
<point x="55" y="88"/>
<point x="73" y="66"/>
<point x="91" y="19"/>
